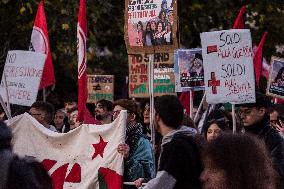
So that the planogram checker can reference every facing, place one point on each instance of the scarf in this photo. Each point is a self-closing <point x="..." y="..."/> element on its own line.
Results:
<point x="134" y="132"/>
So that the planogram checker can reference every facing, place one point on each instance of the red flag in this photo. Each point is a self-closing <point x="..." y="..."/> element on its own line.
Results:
<point x="257" y="59"/>
<point x="185" y="101"/>
<point x="40" y="43"/>
<point x="239" y="22"/>
<point x="82" y="64"/>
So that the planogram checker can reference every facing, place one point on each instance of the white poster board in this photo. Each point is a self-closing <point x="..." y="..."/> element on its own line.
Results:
<point x="228" y="66"/>
<point x="23" y="71"/>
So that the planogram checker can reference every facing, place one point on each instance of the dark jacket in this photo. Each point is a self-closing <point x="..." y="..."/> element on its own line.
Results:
<point x="179" y="163"/>
<point x="274" y="143"/>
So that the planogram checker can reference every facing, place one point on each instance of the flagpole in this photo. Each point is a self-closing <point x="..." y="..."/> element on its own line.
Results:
<point x="7" y="94"/>
<point x="43" y="95"/>
<point x="190" y="103"/>
<point x="234" y="118"/>
<point x="199" y="108"/>
<point x="151" y="94"/>
<point x="5" y="108"/>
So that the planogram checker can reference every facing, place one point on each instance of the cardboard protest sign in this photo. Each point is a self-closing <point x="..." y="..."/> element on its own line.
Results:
<point x="190" y="66"/>
<point x="100" y="87"/>
<point x="228" y="66"/>
<point x="275" y="85"/>
<point x="150" y="25"/>
<point x="23" y="71"/>
<point x="164" y="78"/>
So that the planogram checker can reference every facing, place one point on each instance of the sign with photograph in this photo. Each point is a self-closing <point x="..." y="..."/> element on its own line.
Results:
<point x="100" y="87"/>
<point x="228" y="66"/>
<point x="164" y="78"/>
<point x="150" y="25"/>
<point x="190" y="65"/>
<point x="23" y="72"/>
<point x="275" y="85"/>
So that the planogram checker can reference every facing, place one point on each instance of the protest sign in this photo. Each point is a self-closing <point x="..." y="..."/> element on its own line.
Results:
<point x="150" y="25"/>
<point x="228" y="66"/>
<point x="100" y="87"/>
<point x="275" y="86"/>
<point x="190" y="66"/>
<point x="164" y="79"/>
<point x="23" y="71"/>
<point x="85" y="157"/>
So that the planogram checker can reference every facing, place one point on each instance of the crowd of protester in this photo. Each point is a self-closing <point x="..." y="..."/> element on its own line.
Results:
<point x="182" y="156"/>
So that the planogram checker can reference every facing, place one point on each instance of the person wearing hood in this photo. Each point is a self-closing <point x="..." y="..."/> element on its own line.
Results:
<point x="255" y="119"/>
<point x="179" y="163"/>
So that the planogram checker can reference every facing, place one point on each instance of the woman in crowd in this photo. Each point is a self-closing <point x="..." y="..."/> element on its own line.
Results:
<point x="73" y="120"/>
<point x="61" y="121"/>
<point x="237" y="161"/>
<point x="216" y="122"/>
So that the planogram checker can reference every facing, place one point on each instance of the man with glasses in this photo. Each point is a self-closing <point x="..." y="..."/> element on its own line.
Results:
<point x="255" y="119"/>
<point x="43" y="112"/>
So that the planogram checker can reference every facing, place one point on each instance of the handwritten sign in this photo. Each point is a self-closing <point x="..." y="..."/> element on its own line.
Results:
<point x="100" y="87"/>
<point x="275" y="85"/>
<point x="23" y="71"/>
<point x="190" y="63"/>
<point x="228" y="66"/>
<point x="164" y="78"/>
<point x="150" y="25"/>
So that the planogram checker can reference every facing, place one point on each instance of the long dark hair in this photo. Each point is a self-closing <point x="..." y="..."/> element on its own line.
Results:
<point x="244" y="159"/>
<point x="279" y="74"/>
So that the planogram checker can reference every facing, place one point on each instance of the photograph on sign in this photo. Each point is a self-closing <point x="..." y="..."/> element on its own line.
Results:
<point x="150" y="25"/>
<point x="228" y="66"/>
<point x="275" y="86"/>
<point x="191" y="73"/>
<point x="164" y="78"/>
<point x="100" y="87"/>
<point x="23" y="72"/>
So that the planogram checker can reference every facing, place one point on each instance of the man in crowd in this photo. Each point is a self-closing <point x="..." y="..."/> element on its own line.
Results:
<point x="179" y="163"/>
<point x="43" y="112"/>
<point x="138" y="154"/>
<point x="103" y="111"/>
<point x="255" y="119"/>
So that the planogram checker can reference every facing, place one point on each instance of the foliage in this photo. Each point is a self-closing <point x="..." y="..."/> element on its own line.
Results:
<point x="106" y="48"/>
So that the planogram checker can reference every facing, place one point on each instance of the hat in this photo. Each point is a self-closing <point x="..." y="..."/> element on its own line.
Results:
<point x="261" y="100"/>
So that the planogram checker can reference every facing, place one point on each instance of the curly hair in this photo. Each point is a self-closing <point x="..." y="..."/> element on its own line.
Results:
<point x="244" y="160"/>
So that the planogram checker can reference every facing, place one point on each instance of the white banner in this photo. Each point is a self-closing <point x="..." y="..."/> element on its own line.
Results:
<point x="23" y="71"/>
<point x="228" y="66"/>
<point x="85" y="157"/>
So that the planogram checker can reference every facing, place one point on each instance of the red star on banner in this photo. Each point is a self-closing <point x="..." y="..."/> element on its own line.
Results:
<point x="99" y="148"/>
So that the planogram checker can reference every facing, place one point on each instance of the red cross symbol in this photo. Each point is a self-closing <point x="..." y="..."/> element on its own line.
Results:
<point x="213" y="83"/>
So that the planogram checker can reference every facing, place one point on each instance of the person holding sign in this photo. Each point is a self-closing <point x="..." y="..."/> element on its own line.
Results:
<point x="255" y="119"/>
